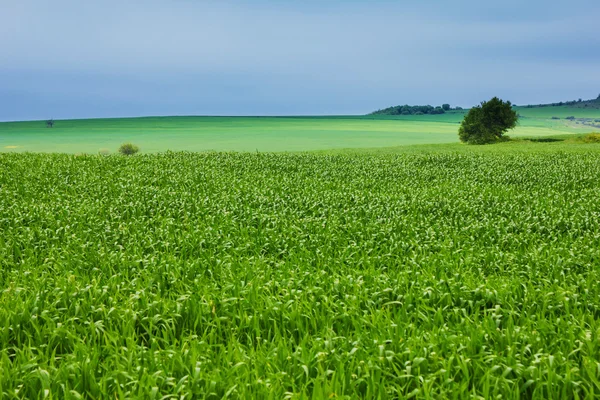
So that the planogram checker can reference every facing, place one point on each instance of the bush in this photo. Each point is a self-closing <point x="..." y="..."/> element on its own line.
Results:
<point x="555" y="117"/>
<point x="488" y="122"/>
<point x="104" y="152"/>
<point x="419" y="113"/>
<point x="570" y="118"/>
<point x="592" y="138"/>
<point x="128" y="149"/>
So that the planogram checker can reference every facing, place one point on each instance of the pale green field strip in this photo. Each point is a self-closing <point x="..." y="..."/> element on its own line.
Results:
<point x="157" y="134"/>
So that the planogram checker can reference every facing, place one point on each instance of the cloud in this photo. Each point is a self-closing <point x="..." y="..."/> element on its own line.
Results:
<point x="271" y="57"/>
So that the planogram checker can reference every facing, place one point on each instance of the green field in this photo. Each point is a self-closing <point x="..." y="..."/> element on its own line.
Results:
<point x="157" y="134"/>
<point x="443" y="271"/>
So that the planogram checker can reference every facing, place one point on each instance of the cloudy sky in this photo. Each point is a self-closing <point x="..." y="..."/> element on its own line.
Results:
<point x="77" y="59"/>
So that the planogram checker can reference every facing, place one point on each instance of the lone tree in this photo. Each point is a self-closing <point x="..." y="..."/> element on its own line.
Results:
<point x="488" y="122"/>
<point x="50" y="123"/>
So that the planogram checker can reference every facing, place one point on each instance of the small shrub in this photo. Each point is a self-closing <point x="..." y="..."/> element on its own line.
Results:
<point x="592" y="138"/>
<point x="555" y="117"/>
<point x="128" y="149"/>
<point x="419" y="113"/>
<point x="104" y="152"/>
<point x="570" y="118"/>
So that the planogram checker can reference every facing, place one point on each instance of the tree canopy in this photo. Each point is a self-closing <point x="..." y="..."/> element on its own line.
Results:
<point x="488" y="122"/>
<point x="411" y="110"/>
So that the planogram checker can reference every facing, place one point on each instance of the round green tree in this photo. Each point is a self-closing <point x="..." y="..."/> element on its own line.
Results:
<point x="128" y="149"/>
<point x="488" y="122"/>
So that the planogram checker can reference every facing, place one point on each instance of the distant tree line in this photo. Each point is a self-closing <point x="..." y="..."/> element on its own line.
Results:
<point x="564" y="103"/>
<point x="414" y="110"/>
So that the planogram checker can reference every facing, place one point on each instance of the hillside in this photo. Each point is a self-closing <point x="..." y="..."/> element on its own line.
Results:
<point x="590" y="104"/>
<point x="593" y="104"/>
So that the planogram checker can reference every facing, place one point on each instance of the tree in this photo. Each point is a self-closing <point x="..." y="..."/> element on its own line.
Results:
<point x="488" y="122"/>
<point x="128" y="149"/>
<point x="446" y="107"/>
<point x="50" y="123"/>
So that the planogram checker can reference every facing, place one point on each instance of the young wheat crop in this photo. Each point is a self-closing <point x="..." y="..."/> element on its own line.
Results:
<point x="435" y="275"/>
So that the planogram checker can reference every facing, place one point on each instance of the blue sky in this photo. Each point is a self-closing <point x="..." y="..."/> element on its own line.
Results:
<point x="109" y="58"/>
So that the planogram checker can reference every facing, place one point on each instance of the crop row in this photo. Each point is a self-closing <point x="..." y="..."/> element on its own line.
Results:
<point x="217" y="275"/>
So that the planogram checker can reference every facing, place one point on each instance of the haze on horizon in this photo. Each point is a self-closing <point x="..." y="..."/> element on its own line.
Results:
<point x="75" y="59"/>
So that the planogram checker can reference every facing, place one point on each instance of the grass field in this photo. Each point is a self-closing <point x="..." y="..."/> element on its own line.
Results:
<point x="156" y="134"/>
<point x="419" y="272"/>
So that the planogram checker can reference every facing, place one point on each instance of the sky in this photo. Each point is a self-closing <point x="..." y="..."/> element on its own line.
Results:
<point x="114" y="58"/>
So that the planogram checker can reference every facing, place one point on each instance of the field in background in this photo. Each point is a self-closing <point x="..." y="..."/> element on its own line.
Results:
<point x="156" y="134"/>
<point x="422" y="271"/>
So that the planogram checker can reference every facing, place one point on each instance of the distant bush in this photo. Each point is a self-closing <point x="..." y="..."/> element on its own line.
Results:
<point x="104" y="152"/>
<point x="446" y="107"/>
<point x="128" y="149"/>
<point x="419" y="113"/>
<point x="555" y="117"/>
<point x="570" y="118"/>
<point x="592" y="138"/>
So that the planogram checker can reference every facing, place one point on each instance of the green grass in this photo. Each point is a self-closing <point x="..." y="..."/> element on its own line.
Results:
<point x="423" y="271"/>
<point x="558" y="111"/>
<point x="157" y="134"/>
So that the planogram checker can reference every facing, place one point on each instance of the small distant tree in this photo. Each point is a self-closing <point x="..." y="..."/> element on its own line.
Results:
<point x="50" y="123"/>
<point x="128" y="149"/>
<point x="446" y="107"/>
<point x="488" y="122"/>
<point x="598" y="98"/>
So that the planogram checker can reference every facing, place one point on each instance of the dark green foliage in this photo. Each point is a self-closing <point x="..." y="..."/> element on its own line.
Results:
<point x="410" y="110"/>
<point x="488" y="122"/>
<point x="128" y="149"/>
<point x="546" y="140"/>
<point x="446" y="107"/>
